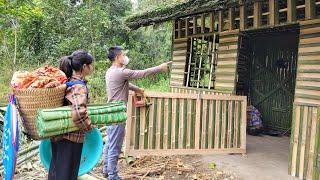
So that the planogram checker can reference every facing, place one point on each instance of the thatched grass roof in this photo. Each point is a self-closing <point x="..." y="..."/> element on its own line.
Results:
<point x="177" y="10"/>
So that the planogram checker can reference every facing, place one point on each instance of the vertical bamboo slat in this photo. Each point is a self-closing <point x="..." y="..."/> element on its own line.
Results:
<point x="189" y="123"/>
<point x="274" y="12"/>
<point x="210" y="128"/>
<point x="204" y="125"/>
<point x="174" y="115"/>
<point x="310" y="9"/>
<point x="197" y="123"/>
<point x="165" y="113"/>
<point x="217" y="125"/>
<point x="150" y="131"/>
<point x="257" y="14"/>
<point x="303" y="141"/>
<point x="295" y="141"/>
<point x="223" y="127"/>
<point x="129" y="126"/>
<point x="158" y="123"/>
<point x="292" y="11"/>
<point x="243" y="17"/>
<point x="142" y="127"/>
<point x="181" y="123"/>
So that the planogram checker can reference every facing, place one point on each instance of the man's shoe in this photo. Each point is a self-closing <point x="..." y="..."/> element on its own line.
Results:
<point x="105" y="175"/>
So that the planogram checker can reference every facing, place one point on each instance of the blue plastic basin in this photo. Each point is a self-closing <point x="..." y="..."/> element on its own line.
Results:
<point x="91" y="152"/>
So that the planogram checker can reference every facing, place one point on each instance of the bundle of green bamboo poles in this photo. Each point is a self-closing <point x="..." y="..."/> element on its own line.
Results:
<point x="52" y="122"/>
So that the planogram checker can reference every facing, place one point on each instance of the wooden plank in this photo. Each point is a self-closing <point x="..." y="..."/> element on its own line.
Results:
<point x="197" y="123"/>
<point x="165" y="113"/>
<point x="295" y="141"/>
<point x="174" y="128"/>
<point x="189" y="111"/>
<point x="142" y="126"/>
<point x="310" y="9"/>
<point x="257" y="14"/>
<point x="151" y="119"/>
<point x="204" y="124"/>
<point x="309" y="40"/>
<point x="187" y="27"/>
<point x="129" y="130"/>
<point x="181" y="123"/>
<point x="311" y="153"/>
<point x="292" y="10"/>
<point x="303" y="141"/>
<point x="309" y="31"/>
<point x="210" y="128"/>
<point x="231" y="19"/>
<point x="179" y="45"/>
<point x="243" y="17"/>
<point x="228" y="40"/>
<point x="159" y="113"/>
<point x="274" y="12"/>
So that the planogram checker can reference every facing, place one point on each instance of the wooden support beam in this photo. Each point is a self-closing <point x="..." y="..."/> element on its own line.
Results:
<point x="310" y="9"/>
<point x="187" y="27"/>
<point x="194" y="25"/>
<point x="179" y="28"/>
<point x="274" y="12"/>
<point x="292" y="11"/>
<point x="212" y="22"/>
<point x="231" y="19"/>
<point x="257" y="14"/>
<point x="243" y="17"/>
<point x="203" y="23"/>
<point x="220" y="28"/>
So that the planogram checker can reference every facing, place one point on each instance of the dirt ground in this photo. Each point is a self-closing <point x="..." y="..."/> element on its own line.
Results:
<point x="148" y="167"/>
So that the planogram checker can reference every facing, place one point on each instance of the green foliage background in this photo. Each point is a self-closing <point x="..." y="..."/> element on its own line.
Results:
<point x="35" y="32"/>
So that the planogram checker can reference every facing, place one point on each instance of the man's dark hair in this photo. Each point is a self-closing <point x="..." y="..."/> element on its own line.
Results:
<point x="114" y="51"/>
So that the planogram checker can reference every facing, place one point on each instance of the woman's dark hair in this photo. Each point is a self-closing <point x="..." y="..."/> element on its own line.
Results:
<point x="75" y="62"/>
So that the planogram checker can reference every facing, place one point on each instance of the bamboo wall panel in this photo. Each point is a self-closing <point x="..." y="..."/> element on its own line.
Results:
<point x="179" y="57"/>
<point x="308" y="76"/>
<point x="227" y="60"/>
<point x="179" y="123"/>
<point x="304" y="155"/>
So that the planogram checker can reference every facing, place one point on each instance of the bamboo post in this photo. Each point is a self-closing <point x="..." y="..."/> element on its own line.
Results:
<point x="220" y="27"/>
<point x="194" y="25"/>
<point x="274" y="12"/>
<point x="243" y="126"/>
<point x="179" y="28"/>
<point x="231" y="19"/>
<point x="203" y="22"/>
<point x="189" y="63"/>
<point x="212" y="22"/>
<point x="303" y="141"/>
<point x="129" y="124"/>
<point x="310" y="9"/>
<point x="243" y="17"/>
<point x="313" y="134"/>
<point x="292" y="11"/>
<point x="200" y="64"/>
<point x="257" y="14"/>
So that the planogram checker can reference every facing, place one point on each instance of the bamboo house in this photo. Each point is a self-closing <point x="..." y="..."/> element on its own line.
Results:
<point x="227" y="54"/>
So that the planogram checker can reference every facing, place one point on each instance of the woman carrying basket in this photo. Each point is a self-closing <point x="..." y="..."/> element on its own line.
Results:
<point x="67" y="148"/>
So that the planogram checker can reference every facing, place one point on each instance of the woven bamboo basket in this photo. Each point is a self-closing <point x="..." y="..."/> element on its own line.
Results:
<point x="31" y="100"/>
